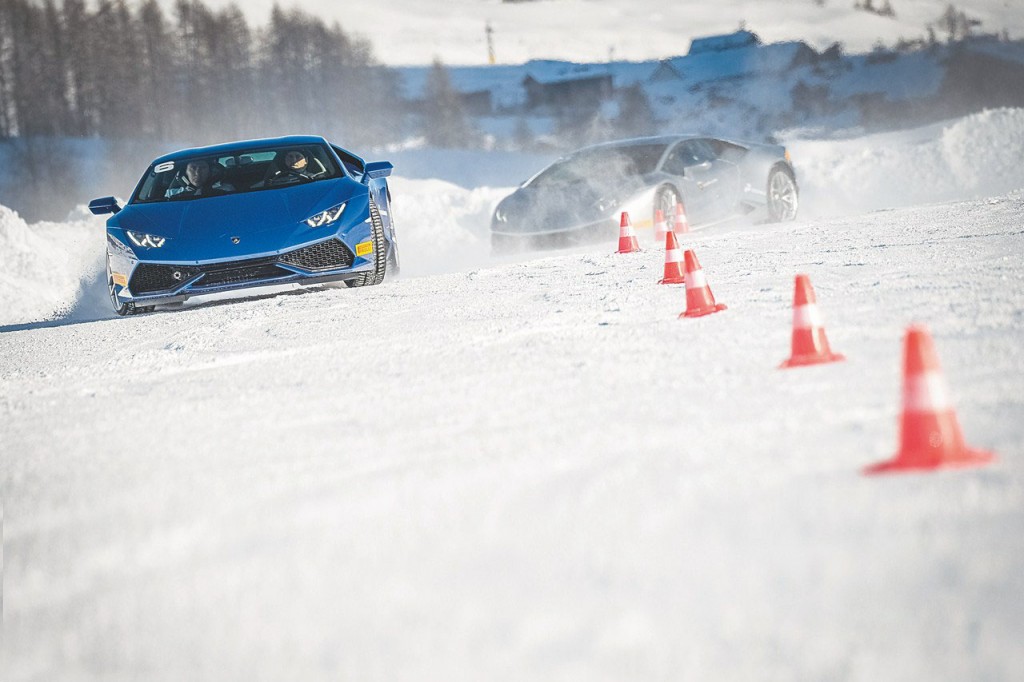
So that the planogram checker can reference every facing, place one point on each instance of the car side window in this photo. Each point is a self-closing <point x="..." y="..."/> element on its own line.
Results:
<point x="687" y="154"/>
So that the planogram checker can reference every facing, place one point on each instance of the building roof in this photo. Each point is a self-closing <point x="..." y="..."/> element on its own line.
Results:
<point x="729" y="41"/>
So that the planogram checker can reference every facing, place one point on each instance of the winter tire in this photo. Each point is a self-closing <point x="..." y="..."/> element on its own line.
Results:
<point x="120" y="308"/>
<point x="380" y="246"/>
<point x="783" y="196"/>
<point x="666" y="199"/>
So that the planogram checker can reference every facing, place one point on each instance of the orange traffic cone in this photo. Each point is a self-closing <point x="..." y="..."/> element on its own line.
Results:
<point x="930" y="436"/>
<point x="680" y="225"/>
<point x="673" y="261"/>
<point x="627" y="236"/>
<point x="699" y="299"/>
<point x="660" y="226"/>
<point x="810" y="345"/>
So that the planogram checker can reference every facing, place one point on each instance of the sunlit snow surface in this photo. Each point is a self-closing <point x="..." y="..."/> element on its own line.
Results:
<point x="529" y="470"/>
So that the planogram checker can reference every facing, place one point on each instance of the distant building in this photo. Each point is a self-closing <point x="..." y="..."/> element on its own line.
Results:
<point x="567" y="92"/>
<point x="477" y="103"/>
<point x="666" y="73"/>
<point x="729" y="41"/>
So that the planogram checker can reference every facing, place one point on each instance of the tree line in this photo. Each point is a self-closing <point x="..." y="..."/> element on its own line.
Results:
<point x="116" y="70"/>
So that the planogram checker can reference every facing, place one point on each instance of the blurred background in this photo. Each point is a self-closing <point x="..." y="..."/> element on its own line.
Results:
<point x="90" y="91"/>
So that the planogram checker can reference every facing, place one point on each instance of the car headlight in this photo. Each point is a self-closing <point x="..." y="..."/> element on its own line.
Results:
<point x="326" y="217"/>
<point x="500" y="216"/>
<point x="606" y="204"/>
<point x="147" y="240"/>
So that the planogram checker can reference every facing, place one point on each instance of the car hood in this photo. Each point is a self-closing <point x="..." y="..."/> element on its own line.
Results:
<point x="262" y="222"/>
<point x="560" y="207"/>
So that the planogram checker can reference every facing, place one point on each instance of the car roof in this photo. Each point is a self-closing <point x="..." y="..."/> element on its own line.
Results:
<point x="637" y="141"/>
<point x="239" y="146"/>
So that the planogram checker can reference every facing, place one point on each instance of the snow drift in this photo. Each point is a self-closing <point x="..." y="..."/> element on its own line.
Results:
<point x="968" y="158"/>
<point x="46" y="265"/>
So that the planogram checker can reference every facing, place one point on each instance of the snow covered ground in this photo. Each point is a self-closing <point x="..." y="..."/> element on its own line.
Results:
<point x="534" y="470"/>
<point x="417" y="31"/>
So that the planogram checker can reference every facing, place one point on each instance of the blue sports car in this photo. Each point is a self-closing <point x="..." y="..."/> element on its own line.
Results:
<point x="246" y="214"/>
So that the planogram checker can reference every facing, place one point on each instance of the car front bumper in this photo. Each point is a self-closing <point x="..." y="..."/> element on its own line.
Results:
<point x="146" y="283"/>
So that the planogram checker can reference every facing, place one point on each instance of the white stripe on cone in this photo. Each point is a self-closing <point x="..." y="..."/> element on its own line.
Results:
<point x="673" y="256"/>
<point x="926" y="393"/>
<point x="696" y="280"/>
<point x="807" y="317"/>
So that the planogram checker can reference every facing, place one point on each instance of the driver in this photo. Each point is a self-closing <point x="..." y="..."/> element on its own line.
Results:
<point x="296" y="162"/>
<point x="196" y="182"/>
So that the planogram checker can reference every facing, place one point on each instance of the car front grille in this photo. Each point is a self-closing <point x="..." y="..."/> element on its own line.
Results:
<point x="244" y="271"/>
<point x="328" y="255"/>
<point x="150" y="278"/>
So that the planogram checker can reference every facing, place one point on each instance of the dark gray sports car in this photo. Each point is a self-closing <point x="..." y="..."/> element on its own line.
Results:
<point x="580" y="197"/>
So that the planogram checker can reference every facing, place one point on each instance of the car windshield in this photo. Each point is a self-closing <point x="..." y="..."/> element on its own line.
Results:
<point x="602" y="166"/>
<point x="255" y="170"/>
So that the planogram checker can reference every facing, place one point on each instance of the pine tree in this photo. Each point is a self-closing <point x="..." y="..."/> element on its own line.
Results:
<point x="8" y="126"/>
<point x="636" y="117"/>
<point x="444" y="117"/>
<point x="156" y="69"/>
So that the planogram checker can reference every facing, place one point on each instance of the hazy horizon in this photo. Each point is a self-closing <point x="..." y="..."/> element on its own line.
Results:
<point x="418" y="31"/>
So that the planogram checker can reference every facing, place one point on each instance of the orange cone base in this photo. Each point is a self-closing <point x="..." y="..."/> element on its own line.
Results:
<point x="701" y="312"/>
<point x="912" y="461"/>
<point x="630" y="248"/>
<point x="672" y="280"/>
<point x="805" y="360"/>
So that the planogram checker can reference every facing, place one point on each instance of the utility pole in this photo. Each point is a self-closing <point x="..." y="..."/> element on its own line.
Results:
<point x="490" y="44"/>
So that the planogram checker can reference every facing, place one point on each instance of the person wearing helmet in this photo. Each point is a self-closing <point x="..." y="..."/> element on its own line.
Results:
<point x="296" y="165"/>
<point x="198" y="181"/>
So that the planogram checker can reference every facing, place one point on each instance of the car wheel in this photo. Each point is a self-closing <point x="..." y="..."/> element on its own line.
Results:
<point x="380" y="260"/>
<point x="122" y="308"/>
<point x="666" y="199"/>
<point x="783" y="196"/>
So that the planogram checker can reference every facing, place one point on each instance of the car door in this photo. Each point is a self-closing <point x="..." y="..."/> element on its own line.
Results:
<point x="726" y="189"/>
<point x="689" y="161"/>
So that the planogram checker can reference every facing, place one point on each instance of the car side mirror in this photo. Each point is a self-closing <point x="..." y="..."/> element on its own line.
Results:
<point x="104" y="206"/>
<point x="377" y="170"/>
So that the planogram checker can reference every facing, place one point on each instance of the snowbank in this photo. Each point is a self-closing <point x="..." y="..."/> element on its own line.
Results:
<point x="46" y="265"/>
<point x="969" y="158"/>
<point x="442" y="227"/>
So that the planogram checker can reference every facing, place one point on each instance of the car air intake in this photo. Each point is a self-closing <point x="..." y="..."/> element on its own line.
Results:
<point x="328" y="255"/>
<point x="150" y="278"/>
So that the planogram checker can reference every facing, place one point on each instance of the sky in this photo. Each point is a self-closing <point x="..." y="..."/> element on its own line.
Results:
<point x="406" y="32"/>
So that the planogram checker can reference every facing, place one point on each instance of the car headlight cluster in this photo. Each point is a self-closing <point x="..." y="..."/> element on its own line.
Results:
<point x="147" y="240"/>
<point x="326" y="217"/>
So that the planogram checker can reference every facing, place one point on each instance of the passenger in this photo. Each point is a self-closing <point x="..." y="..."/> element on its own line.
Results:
<point x="198" y="181"/>
<point x="297" y="165"/>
